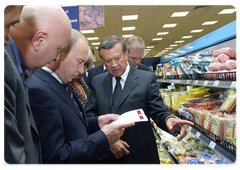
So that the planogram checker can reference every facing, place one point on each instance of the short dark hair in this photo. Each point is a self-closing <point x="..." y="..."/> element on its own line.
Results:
<point x="110" y="42"/>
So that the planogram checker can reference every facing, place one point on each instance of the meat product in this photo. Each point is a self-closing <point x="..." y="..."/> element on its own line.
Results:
<point x="228" y="65"/>
<point x="215" y="60"/>
<point x="229" y="103"/>
<point x="229" y="51"/>
<point x="216" y="53"/>
<point x="214" y="66"/>
<point x="223" y="58"/>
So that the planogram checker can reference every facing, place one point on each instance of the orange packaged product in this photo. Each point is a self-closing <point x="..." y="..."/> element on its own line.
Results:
<point x="229" y="103"/>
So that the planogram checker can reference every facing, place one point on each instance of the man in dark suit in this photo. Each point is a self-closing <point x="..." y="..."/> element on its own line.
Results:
<point x="11" y="16"/>
<point x="135" y="52"/>
<point x="139" y="90"/>
<point x="27" y="50"/>
<point x="66" y="135"/>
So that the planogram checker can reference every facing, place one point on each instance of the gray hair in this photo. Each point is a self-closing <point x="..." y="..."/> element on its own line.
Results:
<point x="135" y="42"/>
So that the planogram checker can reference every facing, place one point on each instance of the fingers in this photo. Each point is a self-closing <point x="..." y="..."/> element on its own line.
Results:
<point x="183" y="133"/>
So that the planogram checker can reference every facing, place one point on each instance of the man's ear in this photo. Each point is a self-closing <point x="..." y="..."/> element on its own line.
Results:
<point x="39" y="38"/>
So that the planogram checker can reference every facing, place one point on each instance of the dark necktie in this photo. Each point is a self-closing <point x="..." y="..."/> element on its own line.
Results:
<point x="116" y="95"/>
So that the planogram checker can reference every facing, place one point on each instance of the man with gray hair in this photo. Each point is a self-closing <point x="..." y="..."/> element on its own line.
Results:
<point x="135" y="51"/>
<point x="35" y="41"/>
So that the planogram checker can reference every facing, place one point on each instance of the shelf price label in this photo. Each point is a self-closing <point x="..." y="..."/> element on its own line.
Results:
<point x="212" y="145"/>
<point x="216" y="83"/>
<point x="198" y="135"/>
<point x="205" y="83"/>
<point x="196" y="82"/>
<point x="234" y="84"/>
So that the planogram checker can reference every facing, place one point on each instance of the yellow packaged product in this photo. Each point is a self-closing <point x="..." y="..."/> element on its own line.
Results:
<point x="176" y="100"/>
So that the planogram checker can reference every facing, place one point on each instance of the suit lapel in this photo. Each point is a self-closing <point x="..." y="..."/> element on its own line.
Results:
<point x="61" y="91"/>
<point x="130" y="84"/>
<point x="107" y="85"/>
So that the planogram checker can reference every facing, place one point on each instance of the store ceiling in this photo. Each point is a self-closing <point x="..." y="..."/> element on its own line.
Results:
<point x="151" y="20"/>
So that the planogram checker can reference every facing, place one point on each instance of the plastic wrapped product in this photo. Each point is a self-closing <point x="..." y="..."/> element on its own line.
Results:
<point x="229" y="51"/>
<point x="216" y="52"/>
<point x="228" y="65"/>
<point x="229" y="103"/>
<point x="223" y="58"/>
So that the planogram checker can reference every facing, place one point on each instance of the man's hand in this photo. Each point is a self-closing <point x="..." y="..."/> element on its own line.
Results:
<point x="106" y="119"/>
<point x="119" y="149"/>
<point x="179" y="125"/>
<point x="113" y="132"/>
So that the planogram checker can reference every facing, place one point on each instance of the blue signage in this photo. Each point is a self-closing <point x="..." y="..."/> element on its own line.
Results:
<point x="73" y="14"/>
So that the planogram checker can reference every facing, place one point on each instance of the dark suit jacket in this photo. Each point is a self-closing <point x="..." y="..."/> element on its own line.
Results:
<point x="142" y="67"/>
<point x="66" y="136"/>
<point x="140" y="91"/>
<point x="20" y="128"/>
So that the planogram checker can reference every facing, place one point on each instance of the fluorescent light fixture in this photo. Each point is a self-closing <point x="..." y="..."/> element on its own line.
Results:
<point x="180" y="14"/>
<point x="127" y="35"/>
<point x="147" y="50"/>
<point x="168" y="48"/>
<point x="169" y="25"/>
<point x="87" y="31"/>
<point x="150" y="47"/>
<point x="209" y="22"/>
<point x="156" y="39"/>
<point x="96" y="43"/>
<point x="96" y="48"/>
<point x="189" y="47"/>
<point x="174" y="54"/>
<point x="128" y="28"/>
<point x="196" y="31"/>
<point x="164" y="51"/>
<point x="179" y="51"/>
<point x="92" y="38"/>
<point x="179" y="41"/>
<point x="162" y="33"/>
<point x="185" y="37"/>
<point x="129" y="17"/>
<point x="227" y="11"/>
<point x="174" y="45"/>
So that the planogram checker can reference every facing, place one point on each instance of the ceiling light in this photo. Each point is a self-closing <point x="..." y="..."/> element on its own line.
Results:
<point x="209" y="22"/>
<point x="179" y="41"/>
<point x="174" y="54"/>
<point x="96" y="48"/>
<point x="162" y="33"/>
<point x="128" y="28"/>
<point x="174" y="45"/>
<point x="147" y="50"/>
<point x="127" y="35"/>
<point x="169" y="25"/>
<point x="129" y="17"/>
<point x="180" y="14"/>
<point x="196" y="31"/>
<point x="227" y="11"/>
<point x="169" y="48"/>
<point x="185" y="37"/>
<point x="150" y="47"/>
<point x="92" y="38"/>
<point x="156" y="39"/>
<point x="87" y="31"/>
<point x="164" y="50"/>
<point x="179" y="51"/>
<point x="96" y="43"/>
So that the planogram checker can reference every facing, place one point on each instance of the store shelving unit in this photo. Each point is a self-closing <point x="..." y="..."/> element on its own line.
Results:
<point x="207" y="83"/>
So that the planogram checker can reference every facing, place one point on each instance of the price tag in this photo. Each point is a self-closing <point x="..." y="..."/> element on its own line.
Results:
<point x="188" y="81"/>
<point x="189" y="128"/>
<point x="212" y="145"/>
<point x="205" y="83"/>
<point x="234" y="84"/>
<point x="198" y="135"/>
<point x="216" y="82"/>
<point x="196" y="82"/>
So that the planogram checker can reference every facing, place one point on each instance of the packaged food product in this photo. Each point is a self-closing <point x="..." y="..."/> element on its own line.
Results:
<point x="230" y="129"/>
<point x="219" y="126"/>
<point x="203" y="157"/>
<point x="229" y="103"/>
<point x="207" y="123"/>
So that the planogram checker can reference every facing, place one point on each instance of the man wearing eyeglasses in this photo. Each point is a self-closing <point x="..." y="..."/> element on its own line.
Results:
<point x="135" y="51"/>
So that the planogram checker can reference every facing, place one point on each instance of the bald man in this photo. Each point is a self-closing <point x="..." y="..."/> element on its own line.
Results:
<point x="35" y="41"/>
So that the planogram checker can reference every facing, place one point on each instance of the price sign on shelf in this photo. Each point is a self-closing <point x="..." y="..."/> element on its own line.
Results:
<point x="205" y="83"/>
<point x="212" y="145"/>
<point x="234" y="84"/>
<point x="198" y="135"/>
<point x="216" y="83"/>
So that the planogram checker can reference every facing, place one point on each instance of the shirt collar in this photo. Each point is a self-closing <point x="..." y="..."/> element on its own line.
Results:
<point x="125" y="74"/>
<point x="16" y="54"/>
<point x="53" y="74"/>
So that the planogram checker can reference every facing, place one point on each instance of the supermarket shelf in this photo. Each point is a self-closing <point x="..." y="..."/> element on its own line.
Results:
<point x="213" y="145"/>
<point x="165" y="149"/>
<point x="207" y="83"/>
